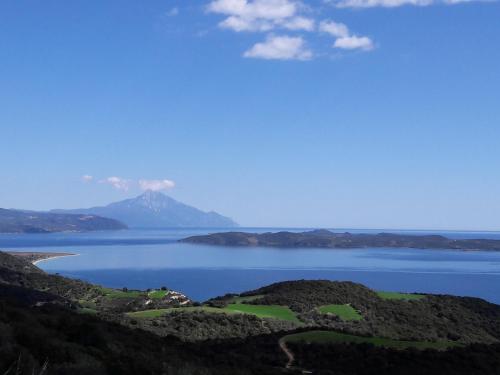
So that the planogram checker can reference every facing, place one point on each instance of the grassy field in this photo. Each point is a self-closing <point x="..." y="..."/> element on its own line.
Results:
<point x="261" y="311"/>
<point x="400" y="296"/>
<point x="344" y="312"/>
<point x="159" y="312"/>
<point x="115" y="293"/>
<point x="157" y="294"/>
<point x="329" y="337"/>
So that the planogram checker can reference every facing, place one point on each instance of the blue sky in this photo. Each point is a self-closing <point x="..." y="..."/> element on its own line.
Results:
<point x="349" y="113"/>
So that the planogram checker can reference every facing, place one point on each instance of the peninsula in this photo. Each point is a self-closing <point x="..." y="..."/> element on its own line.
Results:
<point x="327" y="239"/>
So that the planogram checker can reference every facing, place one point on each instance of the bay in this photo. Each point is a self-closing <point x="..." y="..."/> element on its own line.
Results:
<point x="146" y="258"/>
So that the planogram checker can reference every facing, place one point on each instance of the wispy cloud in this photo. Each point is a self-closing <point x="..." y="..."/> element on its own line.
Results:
<point x="172" y="12"/>
<point x="280" y="48"/>
<point x="117" y="182"/>
<point x="156" y="185"/>
<point x="125" y="184"/>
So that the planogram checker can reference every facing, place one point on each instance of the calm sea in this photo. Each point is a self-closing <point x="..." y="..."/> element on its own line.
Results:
<point x="153" y="258"/>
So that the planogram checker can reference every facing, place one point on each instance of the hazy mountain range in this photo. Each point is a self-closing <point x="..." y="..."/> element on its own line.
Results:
<point x="17" y="221"/>
<point x="156" y="210"/>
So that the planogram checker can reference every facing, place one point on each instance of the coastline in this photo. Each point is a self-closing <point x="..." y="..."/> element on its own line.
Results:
<point x="53" y="257"/>
<point x="37" y="257"/>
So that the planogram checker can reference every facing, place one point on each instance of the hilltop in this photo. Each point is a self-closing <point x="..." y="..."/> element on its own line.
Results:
<point x="156" y="210"/>
<point x="327" y="239"/>
<point x="16" y="221"/>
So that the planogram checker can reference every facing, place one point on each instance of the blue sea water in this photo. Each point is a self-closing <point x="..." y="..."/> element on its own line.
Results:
<point x="153" y="258"/>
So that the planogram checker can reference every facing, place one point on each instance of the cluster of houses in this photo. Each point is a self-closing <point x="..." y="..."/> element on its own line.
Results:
<point x="180" y="298"/>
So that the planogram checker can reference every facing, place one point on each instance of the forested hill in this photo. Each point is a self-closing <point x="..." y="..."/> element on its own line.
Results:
<point x="328" y="239"/>
<point x="16" y="221"/>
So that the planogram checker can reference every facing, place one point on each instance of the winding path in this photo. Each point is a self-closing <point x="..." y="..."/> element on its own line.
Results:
<point x="288" y="353"/>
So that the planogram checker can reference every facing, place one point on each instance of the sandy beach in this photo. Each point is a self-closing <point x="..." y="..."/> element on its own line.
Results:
<point x="37" y="257"/>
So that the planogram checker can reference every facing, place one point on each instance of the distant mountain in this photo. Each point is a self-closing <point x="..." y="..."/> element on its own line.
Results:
<point x="157" y="210"/>
<point x="326" y="239"/>
<point x="16" y="221"/>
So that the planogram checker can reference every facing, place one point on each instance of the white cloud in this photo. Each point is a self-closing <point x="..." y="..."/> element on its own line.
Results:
<point x="299" y="23"/>
<point x="242" y="24"/>
<point x="354" y="42"/>
<point x="280" y="48"/>
<point x="345" y="40"/>
<point x="336" y="29"/>
<point x="117" y="182"/>
<point x="261" y="15"/>
<point x="156" y="185"/>
<point x="87" y="178"/>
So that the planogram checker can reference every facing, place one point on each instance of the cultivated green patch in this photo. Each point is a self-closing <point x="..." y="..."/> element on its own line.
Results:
<point x="155" y="313"/>
<point x="115" y="293"/>
<point x="400" y="296"/>
<point x="264" y="311"/>
<point x="330" y="337"/>
<point x="344" y="312"/>
<point x="261" y="311"/>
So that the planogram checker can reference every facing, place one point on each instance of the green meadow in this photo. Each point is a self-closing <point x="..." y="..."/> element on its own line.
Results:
<point x="344" y="312"/>
<point x="116" y="293"/>
<point x="261" y="311"/>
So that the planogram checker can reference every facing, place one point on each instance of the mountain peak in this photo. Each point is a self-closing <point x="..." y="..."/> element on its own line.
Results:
<point x="154" y="200"/>
<point x="155" y="209"/>
<point x="152" y="194"/>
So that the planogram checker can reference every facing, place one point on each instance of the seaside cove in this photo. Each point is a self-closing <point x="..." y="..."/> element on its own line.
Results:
<point x="153" y="258"/>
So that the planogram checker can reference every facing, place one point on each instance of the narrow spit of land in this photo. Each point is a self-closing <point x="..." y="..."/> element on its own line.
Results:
<point x="37" y="257"/>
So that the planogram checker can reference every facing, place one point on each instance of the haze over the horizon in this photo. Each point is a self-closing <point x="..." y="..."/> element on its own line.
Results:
<point x="284" y="113"/>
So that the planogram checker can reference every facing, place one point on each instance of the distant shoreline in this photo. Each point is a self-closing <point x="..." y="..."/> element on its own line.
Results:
<point x="36" y="257"/>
